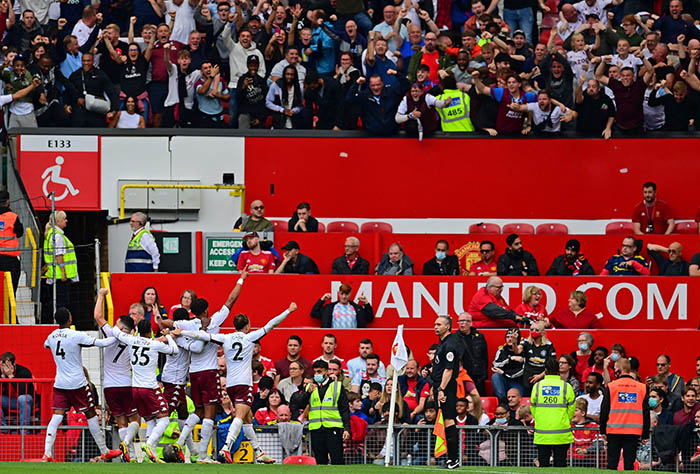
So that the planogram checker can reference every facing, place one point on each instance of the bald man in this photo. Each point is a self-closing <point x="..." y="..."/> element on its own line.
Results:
<point x="675" y="264"/>
<point x="255" y="222"/>
<point x="570" y="23"/>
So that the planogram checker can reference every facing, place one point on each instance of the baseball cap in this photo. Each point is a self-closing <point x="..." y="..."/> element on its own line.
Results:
<point x="253" y="59"/>
<point x="290" y="245"/>
<point x="250" y="234"/>
<point x="592" y="15"/>
<point x="502" y="58"/>
<point x="518" y="32"/>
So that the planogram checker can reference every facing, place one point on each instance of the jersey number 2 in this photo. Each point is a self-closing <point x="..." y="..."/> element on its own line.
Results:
<point x="238" y="347"/>
<point x="142" y="359"/>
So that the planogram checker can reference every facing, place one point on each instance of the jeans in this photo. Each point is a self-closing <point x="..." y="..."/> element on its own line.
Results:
<point x="521" y="19"/>
<point x="502" y="384"/>
<point x="233" y="110"/>
<point x="24" y="404"/>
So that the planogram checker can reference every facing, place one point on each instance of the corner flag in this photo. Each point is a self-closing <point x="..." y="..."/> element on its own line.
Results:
<point x="399" y="356"/>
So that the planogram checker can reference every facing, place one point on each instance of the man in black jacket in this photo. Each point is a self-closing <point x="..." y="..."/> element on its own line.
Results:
<point x="475" y="357"/>
<point x="296" y="262"/>
<point x="322" y="99"/>
<point x="250" y="94"/>
<point x="15" y="396"/>
<point x="379" y="102"/>
<point x="90" y="80"/>
<point x="516" y="261"/>
<point x="442" y="263"/>
<point x="675" y="264"/>
<point x="351" y="263"/>
<point x="302" y="220"/>
<point x="339" y="313"/>
<point x="571" y="263"/>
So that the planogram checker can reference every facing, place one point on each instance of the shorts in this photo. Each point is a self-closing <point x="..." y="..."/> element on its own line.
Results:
<point x="241" y="394"/>
<point x="149" y="402"/>
<point x="175" y="395"/>
<point x="157" y="92"/>
<point x="205" y="387"/>
<point x="81" y="399"/>
<point x="120" y="401"/>
<point x="449" y="408"/>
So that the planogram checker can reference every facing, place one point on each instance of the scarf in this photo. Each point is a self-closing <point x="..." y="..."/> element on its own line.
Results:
<point x="575" y="266"/>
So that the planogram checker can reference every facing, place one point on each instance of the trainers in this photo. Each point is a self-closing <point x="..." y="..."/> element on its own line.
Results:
<point x="124" y="452"/>
<point x="111" y="454"/>
<point x="46" y="458"/>
<point x="148" y="451"/>
<point x="263" y="458"/>
<point x="452" y="464"/>
<point x="226" y="455"/>
<point x="178" y="452"/>
<point x="207" y="460"/>
<point x="193" y="458"/>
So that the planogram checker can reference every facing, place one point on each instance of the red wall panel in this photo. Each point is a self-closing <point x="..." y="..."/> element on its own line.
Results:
<point x="459" y="178"/>
<point x="27" y="343"/>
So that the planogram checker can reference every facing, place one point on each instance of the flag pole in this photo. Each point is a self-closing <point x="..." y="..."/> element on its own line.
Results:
<point x="399" y="357"/>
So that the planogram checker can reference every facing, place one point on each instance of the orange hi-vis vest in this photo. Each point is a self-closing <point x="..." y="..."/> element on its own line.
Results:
<point x="626" y="407"/>
<point x="9" y="243"/>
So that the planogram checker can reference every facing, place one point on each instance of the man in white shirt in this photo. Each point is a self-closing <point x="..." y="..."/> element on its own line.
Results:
<point x="389" y="28"/>
<point x="84" y="26"/>
<point x="359" y="364"/>
<point x="593" y="395"/>
<point x="142" y="254"/>
<point x="291" y="57"/>
<point x="71" y="388"/>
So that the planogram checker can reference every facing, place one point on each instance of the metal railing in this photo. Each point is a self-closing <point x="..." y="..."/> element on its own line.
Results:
<point x="9" y="302"/>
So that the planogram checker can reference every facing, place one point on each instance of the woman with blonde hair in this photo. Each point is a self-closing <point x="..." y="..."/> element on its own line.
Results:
<point x="536" y="350"/>
<point x="403" y="414"/>
<point x="531" y="307"/>
<point x="476" y="409"/>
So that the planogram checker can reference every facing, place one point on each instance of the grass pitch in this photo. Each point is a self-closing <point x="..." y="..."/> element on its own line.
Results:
<point x="108" y="468"/>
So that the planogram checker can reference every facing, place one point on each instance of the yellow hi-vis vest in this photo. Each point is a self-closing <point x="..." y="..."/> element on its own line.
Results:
<point x="69" y="259"/>
<point x="552" y="404"/>
<point x="455" y="117"/>
<point x="324" y="413"/>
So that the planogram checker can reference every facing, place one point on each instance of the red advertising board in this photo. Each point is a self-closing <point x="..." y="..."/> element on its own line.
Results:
<point x="66" y="165"/>
<point x="621" y="303"/>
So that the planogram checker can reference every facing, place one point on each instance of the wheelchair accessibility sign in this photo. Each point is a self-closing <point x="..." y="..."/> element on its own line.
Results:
<point x="66" y="166"/>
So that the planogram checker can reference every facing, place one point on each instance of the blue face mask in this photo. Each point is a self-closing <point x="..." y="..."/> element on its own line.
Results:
<point x="319" y="378"/>
<point x="583" y="346"/>
<point x="501" y="421"/>
<point x="440" y="255"/>
<point x="614" y="357"/>
<point x="653" y="402"/>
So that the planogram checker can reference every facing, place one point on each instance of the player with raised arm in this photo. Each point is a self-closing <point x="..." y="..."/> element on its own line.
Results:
<point x="71" y="388"/>
<point x="146" y="393"/>
<point x="238" y="349"/>
<point x="204" y="371"/>
<point x="117" y="378"/>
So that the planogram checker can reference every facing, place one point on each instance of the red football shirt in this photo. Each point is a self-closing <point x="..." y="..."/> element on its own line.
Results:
<point x="260" y="263"/>
<point x="566" y="319"/>
<point x="480" y="267"/>
<point x="660" y="213"/>
<point x="432" y="61"/>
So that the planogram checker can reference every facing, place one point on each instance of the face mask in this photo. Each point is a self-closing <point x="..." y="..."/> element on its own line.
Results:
<point x="653" y="402"/>
<point x="319" y="378"/>
<point x="535" y="334"/>
<point x="614" y="357"/>
<point x="440" y="255"/>
<point x="501" y="421"/>
<point x="583" y="346"/>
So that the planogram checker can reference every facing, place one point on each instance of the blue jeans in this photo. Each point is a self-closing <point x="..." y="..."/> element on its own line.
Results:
<point x="233" y="110"/>
<point x="502" y="384"/>
<point x="24" y="404"/>
<point x="521" y="19"/>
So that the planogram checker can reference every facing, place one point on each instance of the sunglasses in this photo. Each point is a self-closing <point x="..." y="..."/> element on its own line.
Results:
<point x="485" y="250"/>
<point x="258" y="208"/>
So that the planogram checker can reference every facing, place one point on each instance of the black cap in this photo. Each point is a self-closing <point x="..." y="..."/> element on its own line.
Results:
<point x="253" y="59"/>
<point x="291" y="245"/>
<point x="518" y="32"/>
<point x="502" y="58"/>
<point x="4" y="196"/>
<point x="592" y="15"/>
<point x="18" y="57"/>
<point x="573" y="244"/>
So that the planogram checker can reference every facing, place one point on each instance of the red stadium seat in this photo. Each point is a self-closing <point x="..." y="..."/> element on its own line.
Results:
<point x="343" y="226"/>
<point x="518" y="229"/>
<point x="489" y="404"/>
<point x="484" y="228"/>
<point x="369" y="227"/>
<point x="280" y="226"/>
<point x="686" y="227"/>
<point x="552" y="229"/>
<point x="619" y="227"/>
<point x="299" y="460"/>
<point x="321" y="227"/>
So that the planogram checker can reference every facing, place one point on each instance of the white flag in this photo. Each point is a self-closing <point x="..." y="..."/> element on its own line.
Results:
<point x="399" y="357"/>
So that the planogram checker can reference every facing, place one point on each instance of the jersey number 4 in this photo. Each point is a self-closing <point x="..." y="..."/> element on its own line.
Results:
<point x="60" y="352"/>
<point x="142" y="359"/>
<point x="238" y="347"/>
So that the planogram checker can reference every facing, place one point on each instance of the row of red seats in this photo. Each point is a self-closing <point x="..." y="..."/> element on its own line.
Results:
<point x="344" y="226"/>
<point x="619" y="227"/>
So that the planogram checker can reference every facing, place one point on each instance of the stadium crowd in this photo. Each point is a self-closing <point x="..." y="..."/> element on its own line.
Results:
<point x="594" y="67"/>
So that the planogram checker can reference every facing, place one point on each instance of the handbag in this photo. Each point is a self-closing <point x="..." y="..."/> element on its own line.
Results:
<point x="94" y="103"/>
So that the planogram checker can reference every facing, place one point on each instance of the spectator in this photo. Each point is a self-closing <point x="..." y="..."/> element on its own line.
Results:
<point x="694" y="268"/>
<point x="567" y="371"/>
<point x="250" y="96"/>
<point x="90" y="85"/>
<point x="291" y="58"/>
<point x="663" y="367"/>
<point x="361" y="383"/>
<point x="476" y="409"/>
<point x="600" y="355"/>
<point x="239" y="54"/>
<point x="675" y="264"/>
<point x="629" y="95"/>
<point x="267" y="363"/>
<point x="129" y="117"/>
<point x="514" y="400"/>
<point x="132" y="72"/>
<point x="111" y="49"/>
<point x="210" y="95"/>
<point x="679" y="108"/>
<point x="508" y="366"/>
<point x="489" y="309"/>
<point x="256" y="221"/>
<point x="442" y="263"/>
<point x="391" y="29"/>
<point x="293" y="355"/>
<point x="531" y="308"/>
<point x="516" y="261"/>
<point x="583" y="355"/>
<point x="351" y="263"/>
<point x="18" y="396"/>
<point x="536" y="349"/>
<point x="302" y="220"/>
<point x="576" y="316"/>
<point x="586" y="444"/>
<point x="673" y="25"/>
<point x="20" y="34"/>
<point x="322" y="96"/>
<point x="508" y="121"/>
<point x="253" y="258"/>
<point x="660" y="381"/>
<point x="475" y="354"/>
<point x="402" y="410"/>
<point x="329" y="344"/>
<point x="686" y="414"/>
<point x="355" y="402"/>
<point x="186" y="299"/>
<point x="158" y="87"/>
<point x="596" y="110"/>
<point x="572" y="262"/>
<point x="379" y="102"/>
<point x="661" y="222"/>
<point x="343" y="313"/>
<point x="593" y="395"/>
<point x="153" y="308"/>
<point x="414" y="389"/>
<point x="660" y="406"/>
<point x="285" y="100"/>
<point x="627" y="263"/>
<point x="48" y="109"/>
<point x="417" y="112"/>
<point x="296" y="262"/>
<point x="18" y="78"/>
<point x="181" y="82"/>
<point x="395" y="262"/>
<point x="268" y="414"/>
<point x="359" y="363"/>
<point x="487" y="266"/>
<point x="336" y="373"/>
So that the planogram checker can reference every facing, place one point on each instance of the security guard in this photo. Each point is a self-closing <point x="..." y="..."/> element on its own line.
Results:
<point x="66" y="264"/>
<point x="11" y="229"/>
<point x="142" y="255"/>
<point x="624" y="416"/>
<point x="329" y="416"/>
<point x="553" y="403"/>
<point x="455" y="116"/>
<point x="444" y="375"/>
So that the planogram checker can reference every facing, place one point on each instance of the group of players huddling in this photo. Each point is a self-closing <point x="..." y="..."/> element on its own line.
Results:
<point x="131" y="387"/>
